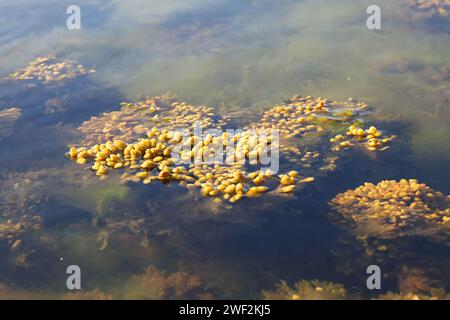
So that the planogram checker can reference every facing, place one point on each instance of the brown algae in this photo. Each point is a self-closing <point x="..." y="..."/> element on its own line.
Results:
<point x="142" y="137"/>
<point x="50" y="69"/>
<point x="393" y="209"/>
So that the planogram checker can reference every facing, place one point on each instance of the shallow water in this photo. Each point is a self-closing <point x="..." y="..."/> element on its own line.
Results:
<point x="249" y="54"/>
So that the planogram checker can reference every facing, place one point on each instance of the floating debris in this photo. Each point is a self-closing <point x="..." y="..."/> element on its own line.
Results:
<point x="394" y="209"/>
<point x="50" y="69"/>
<point x="308" y="290"/>
<point x="7" y="119"/>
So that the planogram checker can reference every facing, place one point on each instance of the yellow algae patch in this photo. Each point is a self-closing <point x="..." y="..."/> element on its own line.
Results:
<point x="371" y="138"/>
<point x="50" y="69"/>
<point x="393" y="209"/>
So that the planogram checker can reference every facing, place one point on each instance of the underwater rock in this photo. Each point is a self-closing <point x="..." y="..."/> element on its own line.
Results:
<point x="50" y="69"/>
<point x="393" y="209"/>
<point x="7" y="119"/>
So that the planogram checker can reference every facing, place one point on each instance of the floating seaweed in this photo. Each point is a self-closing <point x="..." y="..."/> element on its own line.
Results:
<point x="308" y="290"/>
<point x="50" y="69"/>
<point x="7" y="119"/>
<point x="394" y="209"/>
<point x="135" y="119"/>
<point x="147" y="141"/>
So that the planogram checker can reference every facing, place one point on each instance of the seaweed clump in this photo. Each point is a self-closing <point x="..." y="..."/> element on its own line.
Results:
<point x="49" y="69"/>
<point x="307" y="290"/>
<point x="432" y="8"/>
<point x="320" y="290"/>
<point x="156" y="140"/>
<point x="134" y="120"/>
<point x="433" y="294"/>
<point x="7" y="119"/>
<point x="155" y="284"/>
<point x="393" y="209"/>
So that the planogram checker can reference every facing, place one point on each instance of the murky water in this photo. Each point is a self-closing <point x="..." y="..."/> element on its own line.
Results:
<point x="161" y="241"/>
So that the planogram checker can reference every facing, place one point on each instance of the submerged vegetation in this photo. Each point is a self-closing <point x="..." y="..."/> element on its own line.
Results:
<point x="7" y="119"/>
<point x="49" y="69"/>
<point x="319" y="290"/>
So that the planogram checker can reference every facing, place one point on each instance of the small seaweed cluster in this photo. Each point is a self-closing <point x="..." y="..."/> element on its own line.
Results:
<point x="135" y="119"/>
<point x="371" y="137"/>
<point x="305" y="124"/>
<point x="18" y="236"/>
<point x="433" y="294"/>
<point x="432" y="8"/>
<point x="12" y="232"/>
<point x="7" y="119"/>
<point x="393" y="209"/>
<point x="156" y="284"/>
<point x="49" y="69"/>
<point x="306" y="115"/>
